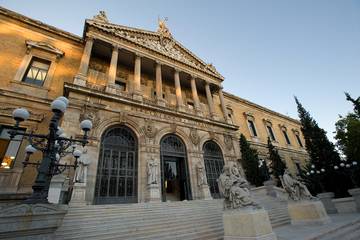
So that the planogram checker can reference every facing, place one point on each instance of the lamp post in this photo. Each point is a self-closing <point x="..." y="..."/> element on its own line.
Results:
<point x="317" y="173"/>
<point x="53" y="146"/>
<point x="348" y="168"/>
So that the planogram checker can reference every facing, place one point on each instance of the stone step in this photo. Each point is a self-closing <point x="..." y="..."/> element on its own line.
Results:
<point x="124" y="224"/>
<point x="156" y="230"/>
<point x="348" y="231"/>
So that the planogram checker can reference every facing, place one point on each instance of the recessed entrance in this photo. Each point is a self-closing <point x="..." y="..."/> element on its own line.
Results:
<point x="116" y="180"/>
<point x="174" y="170"/>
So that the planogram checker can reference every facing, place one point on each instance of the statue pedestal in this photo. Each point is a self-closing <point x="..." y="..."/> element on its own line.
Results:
<point x="153" y="193"/>
<point x="247" y="224"/>
<point x="205" y="192"/>
<point x="307" y="213"/>
<point x="78" y="195"/>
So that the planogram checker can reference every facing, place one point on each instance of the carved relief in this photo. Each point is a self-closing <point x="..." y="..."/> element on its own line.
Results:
<point x="123" y="117"/>
<point x="149" y="129"/>
<point x="91" y="114"/>
<point x="194" y="136"/>
<point x="164" y="44"/>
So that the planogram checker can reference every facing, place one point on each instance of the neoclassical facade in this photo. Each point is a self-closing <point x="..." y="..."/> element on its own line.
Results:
<point x="163" y="126"/>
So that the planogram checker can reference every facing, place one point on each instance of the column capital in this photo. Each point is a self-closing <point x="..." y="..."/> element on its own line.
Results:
<point x="194" y="76"/>
<point x="220" y="87"/>
<point x="176" y="70"/>
<point x="116" y="46"/>
<point x="158" y="62"/>
<point x="137" y="54"/>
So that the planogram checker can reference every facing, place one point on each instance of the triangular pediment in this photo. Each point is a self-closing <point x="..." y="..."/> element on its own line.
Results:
<point x="161" y="42"/>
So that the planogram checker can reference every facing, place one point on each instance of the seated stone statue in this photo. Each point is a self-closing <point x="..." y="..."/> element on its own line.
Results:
<point x="235" y="189"/>
<point x="295" y="188"/>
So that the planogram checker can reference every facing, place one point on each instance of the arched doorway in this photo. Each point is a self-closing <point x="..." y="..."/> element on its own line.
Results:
<point x="116" y="179"/>
<point x="175" y="183"/>
<point x="214" y="164"/>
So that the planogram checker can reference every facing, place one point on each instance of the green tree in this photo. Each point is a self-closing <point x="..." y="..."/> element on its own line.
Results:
<point x="322" y="154"/>
<point x="250" y="162"/>
<point x="348" y="137"/>
<point x="277" y="165"/>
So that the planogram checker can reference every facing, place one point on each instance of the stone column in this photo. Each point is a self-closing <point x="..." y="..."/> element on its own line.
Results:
<point x="195" y="95"/>
<point x="81" y="77"/>
<point x="113" y="66"/>
<point x="112" y="70"/>
<point x="159" y="91"/>
<point x="137" y="78"/>
<point x="179" y="100"/>
<point x="223" y="106"/>
<point x="209" y="99"/>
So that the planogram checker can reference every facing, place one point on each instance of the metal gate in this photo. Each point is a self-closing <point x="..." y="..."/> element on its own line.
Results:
<point x="214" y="164"/>
<point x="116" y="180"/>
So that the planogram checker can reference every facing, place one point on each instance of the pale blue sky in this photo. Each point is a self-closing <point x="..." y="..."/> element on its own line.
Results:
<point x="268" y="51"/>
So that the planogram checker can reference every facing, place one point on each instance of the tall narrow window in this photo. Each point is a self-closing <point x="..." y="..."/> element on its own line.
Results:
<point x="8" y="148"/>
<point x="271" y="133"/>
<point x="299" y="140"/>
<point x="286" y="137"/>
<point x="37" y="71"/>
<point x="252" y="128"/>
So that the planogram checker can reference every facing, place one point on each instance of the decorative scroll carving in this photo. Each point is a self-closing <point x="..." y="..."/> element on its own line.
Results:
<point x="101" y="17"/>
<point x="90" y="113"/>
<point x="194" y="136"/>
<point x="173" y="127"/>
<point x="43" y="46"/>
<point x="228" y="142"/>
<point x="149" y="129"/>
<point x="235" y="189"/>
<point x="123" y="117"/>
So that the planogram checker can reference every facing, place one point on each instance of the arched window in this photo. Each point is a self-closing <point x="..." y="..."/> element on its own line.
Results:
<point x="116" y="180"/>
<point x="214" y="164"/>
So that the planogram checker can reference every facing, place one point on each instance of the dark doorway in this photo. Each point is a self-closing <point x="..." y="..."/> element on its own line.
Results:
<point x="116" y="179"/>
<point x="214" y="164"/>
<point x="174" y="170"/>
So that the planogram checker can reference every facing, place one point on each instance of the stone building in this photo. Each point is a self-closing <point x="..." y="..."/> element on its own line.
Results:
<point x="148" y="96"/>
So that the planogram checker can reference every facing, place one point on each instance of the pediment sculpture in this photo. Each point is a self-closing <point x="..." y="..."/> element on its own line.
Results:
<point x="235" y="189"/>
<point x="101" y="16"/>
<point x="296" y="190"/>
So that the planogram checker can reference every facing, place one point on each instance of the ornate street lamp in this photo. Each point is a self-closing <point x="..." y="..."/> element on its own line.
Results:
<point x="349" y="169"/>
<point x="53" y="146"/>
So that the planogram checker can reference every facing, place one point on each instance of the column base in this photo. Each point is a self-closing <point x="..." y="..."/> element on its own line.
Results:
<point x="137" y="96"/>
<point x="161" y="102"/>
<point x="247" y="224"/>
<point x="307" y="213"/>
<point x="78" y="195"/>
<point x="110" y="88"/>
<point x="180" y="108"/>
<point x="199" y="112"/>
<point x="80" y="80"/>
<point x="153" y="194"/>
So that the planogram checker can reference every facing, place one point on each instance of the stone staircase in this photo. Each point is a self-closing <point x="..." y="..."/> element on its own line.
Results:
<point x="348" y="231"/>
<point x="199" y="219"/>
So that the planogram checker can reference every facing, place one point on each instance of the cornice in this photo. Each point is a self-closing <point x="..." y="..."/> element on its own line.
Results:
<point x="38" y="24"/>
<point x="244" y="101"/>
<point x="85" y="90"/>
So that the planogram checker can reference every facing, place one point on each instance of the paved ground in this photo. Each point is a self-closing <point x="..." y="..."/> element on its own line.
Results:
<point x="289" y="232"/>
